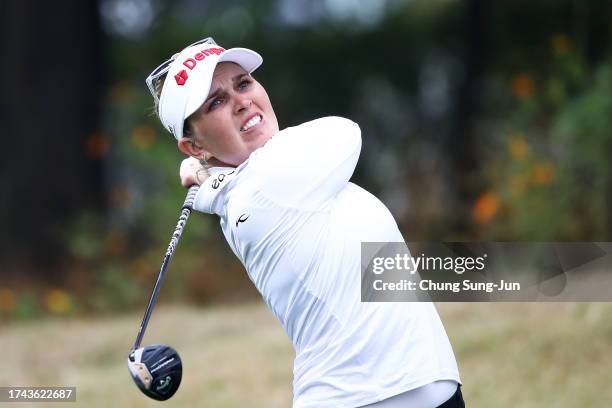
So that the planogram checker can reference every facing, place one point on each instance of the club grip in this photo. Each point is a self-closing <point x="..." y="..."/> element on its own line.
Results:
<point x="191" y="194"/>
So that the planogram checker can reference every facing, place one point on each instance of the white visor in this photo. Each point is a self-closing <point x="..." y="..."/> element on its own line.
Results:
<point x="188" y="81"/>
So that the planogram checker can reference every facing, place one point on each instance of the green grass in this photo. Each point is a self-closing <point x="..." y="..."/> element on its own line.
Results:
<point x="510" y="355"/>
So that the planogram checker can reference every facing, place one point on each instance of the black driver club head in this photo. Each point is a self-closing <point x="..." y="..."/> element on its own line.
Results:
<point x="157" y="370"/>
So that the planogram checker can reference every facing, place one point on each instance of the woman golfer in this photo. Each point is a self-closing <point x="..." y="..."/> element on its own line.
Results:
<point x="290" y="214"/>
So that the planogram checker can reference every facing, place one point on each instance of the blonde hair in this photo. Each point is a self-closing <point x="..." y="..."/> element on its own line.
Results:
<point x="159" y="85"/>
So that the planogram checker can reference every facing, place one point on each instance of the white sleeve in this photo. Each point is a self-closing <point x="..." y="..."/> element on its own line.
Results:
<point x="210" y="198"/>
<point x="306" y="165"/>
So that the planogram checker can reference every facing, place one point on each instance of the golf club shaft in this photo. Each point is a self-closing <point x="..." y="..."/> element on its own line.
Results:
<point x="185" y="212"/>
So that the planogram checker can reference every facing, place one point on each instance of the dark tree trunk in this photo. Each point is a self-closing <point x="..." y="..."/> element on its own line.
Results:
<point x="462" y="153"/>
<point x="51" y="82"/>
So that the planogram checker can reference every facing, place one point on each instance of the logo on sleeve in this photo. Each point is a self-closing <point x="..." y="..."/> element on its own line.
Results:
<point x="242" y="218"/>
<point x="216" y="183"/>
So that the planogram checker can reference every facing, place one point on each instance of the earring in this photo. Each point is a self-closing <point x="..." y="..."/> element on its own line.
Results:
<point x="203" y="161"/>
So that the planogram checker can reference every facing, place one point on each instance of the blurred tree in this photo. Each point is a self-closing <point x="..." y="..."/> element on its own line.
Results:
<point x="547" y="110"/>
<point x="51" y="82"/>
<point x="480" y="121"/>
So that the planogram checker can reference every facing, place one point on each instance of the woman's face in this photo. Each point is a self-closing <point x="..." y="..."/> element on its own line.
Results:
<point x="236" y="118"/>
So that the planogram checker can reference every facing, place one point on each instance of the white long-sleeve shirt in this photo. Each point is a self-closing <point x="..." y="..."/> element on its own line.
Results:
<point x="295" y="221"/>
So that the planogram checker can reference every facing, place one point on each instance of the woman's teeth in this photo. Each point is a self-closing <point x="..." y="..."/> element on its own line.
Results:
<point x="252" y="122"/>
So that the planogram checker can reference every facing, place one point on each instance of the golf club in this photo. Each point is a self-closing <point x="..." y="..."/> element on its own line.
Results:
<point x="157" y="369"/>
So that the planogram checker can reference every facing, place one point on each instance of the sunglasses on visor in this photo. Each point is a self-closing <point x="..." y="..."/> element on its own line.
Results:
<point x="163" y="68"/>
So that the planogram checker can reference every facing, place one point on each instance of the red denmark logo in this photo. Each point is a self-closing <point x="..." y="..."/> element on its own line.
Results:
<point x="181" y="77"/>
<point x="191" y="63"/>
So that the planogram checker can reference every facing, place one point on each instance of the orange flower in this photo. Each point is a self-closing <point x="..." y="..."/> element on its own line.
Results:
<point x="57" y="301"/>
<point x="7" y="300"/>
<point x="560" y="44"/>
<point x="485" y="208"/>
<point x="143" y="136"/>
<point x="542" y="174"/>
<point x="518" y="146"/>
<point x="522" y="86"/>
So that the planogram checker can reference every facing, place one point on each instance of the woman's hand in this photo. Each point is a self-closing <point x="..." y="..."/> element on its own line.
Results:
<point x="192" y="172"/>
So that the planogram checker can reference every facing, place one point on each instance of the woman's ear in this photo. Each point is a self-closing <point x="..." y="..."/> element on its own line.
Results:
<point x="191" y="148"/>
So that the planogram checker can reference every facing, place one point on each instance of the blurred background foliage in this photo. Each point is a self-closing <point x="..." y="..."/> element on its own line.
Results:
<point x="480" y="120"/>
